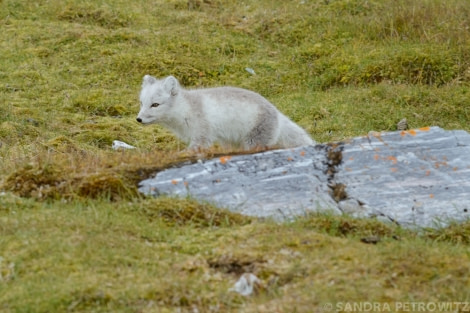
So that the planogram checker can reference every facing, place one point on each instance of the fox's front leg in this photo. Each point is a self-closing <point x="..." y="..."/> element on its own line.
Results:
<point x="198" y="143"/>
<point x="199" y="133"/>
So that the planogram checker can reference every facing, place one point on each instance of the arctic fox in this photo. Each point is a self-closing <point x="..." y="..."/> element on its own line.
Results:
<point x="226" y="115"/>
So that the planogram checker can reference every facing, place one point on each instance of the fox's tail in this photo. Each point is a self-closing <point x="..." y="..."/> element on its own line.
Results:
<point x="292" y="135"/>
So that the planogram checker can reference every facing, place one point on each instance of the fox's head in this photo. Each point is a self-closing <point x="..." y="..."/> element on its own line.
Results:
<point x="157" y="98"/>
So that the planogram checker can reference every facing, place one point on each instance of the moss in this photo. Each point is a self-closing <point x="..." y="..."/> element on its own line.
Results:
<point x="62" y="144"/>
<point x="41" y="182"/>
<point x="12" y="203"/>
<point x="190" y="212"/>
<point x="7" y="129"/>
<point x="87" y="13"/>
<point x="431" y="66"/>
<point x="103" y="132"/>
<point x="346" y="226"/>
<point x="89" y="298"/>
<point x="456" y="233"/>
<point x="96" y="102"/>
<point x="107" y="184"/>
<point x="25" y="130"/>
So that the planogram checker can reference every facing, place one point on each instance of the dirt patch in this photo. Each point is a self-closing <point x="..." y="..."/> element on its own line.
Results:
<point x="236" y="265"/>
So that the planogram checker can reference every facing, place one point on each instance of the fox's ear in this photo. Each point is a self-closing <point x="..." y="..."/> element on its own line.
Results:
<point x="148" y="80"/>
<point x="171" y="85"/>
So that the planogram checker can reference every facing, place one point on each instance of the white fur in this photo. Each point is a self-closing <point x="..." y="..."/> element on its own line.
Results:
<point x="226" y="115"/>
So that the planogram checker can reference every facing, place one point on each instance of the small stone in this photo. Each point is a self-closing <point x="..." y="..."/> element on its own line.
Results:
<point x="120" y="145"/>
<point x="250" y="70"/>
<point x="371" y="240"/>
<point x="247" y="284"/>
<point x="32" y="121"/>
<point x="402" y="125"/>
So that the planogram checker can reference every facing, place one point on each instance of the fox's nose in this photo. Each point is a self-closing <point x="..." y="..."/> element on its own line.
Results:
<point x="139" y="120"/>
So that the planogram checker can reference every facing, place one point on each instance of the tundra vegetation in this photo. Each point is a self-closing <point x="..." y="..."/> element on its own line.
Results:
<point x="75" y="235"/>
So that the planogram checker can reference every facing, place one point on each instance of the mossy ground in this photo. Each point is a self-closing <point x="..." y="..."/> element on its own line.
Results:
<point x="76" y="236"/>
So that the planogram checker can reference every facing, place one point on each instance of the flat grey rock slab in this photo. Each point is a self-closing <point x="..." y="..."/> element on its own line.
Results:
<point x="278" y="183"/>
<point x="415" y="178"/>
<point x="418" y="177"/>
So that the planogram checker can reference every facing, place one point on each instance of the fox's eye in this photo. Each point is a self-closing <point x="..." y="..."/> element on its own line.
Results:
<point x="154" y="105"/>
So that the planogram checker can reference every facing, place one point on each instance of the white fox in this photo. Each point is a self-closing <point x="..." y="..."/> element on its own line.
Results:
<point x="226" y="115"/>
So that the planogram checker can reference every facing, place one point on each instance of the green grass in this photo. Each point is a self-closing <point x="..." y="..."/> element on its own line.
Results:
<point x="76" y="236"/>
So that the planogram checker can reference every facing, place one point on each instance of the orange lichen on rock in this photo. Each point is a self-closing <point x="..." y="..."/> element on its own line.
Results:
<point x="412" y="132"/>
<point x="174" y="182"/>
<point x="376" y="157"/>
<point x="392" y="158"/>
<point x="302" y="153"/>
<point x="439" y="164"/>
<point x="425" y="129"/>
<point x="394" y="169"/>
<point x="225" y="159"/>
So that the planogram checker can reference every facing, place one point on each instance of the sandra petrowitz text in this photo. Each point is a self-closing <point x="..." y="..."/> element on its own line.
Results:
<point x="349" y="306"/>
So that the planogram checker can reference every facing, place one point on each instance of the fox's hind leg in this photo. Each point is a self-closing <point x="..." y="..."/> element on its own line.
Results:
<point x="265" y="132"/>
